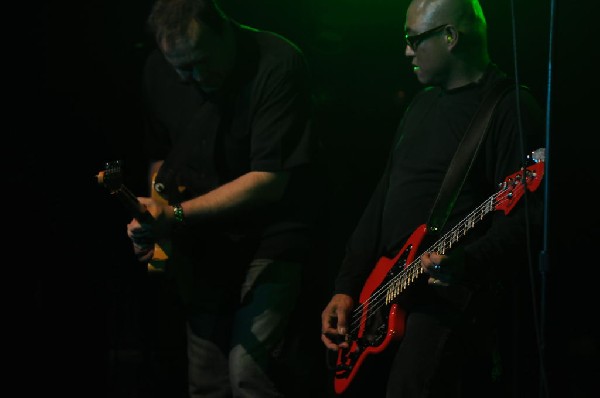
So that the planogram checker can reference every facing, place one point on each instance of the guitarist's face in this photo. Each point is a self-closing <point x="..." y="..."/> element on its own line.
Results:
<point x="204" y="58"/>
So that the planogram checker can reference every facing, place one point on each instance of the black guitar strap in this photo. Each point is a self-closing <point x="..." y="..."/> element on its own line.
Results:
<point x="465" y="156"/>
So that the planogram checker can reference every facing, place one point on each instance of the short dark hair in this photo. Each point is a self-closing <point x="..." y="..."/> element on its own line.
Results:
<point x="169" y="20"/>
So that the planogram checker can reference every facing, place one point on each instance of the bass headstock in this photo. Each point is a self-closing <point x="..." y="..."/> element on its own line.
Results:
<point x="515" y="185"/>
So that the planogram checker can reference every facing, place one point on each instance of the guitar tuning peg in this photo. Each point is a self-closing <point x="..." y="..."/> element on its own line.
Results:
<point x="539" y="155"/>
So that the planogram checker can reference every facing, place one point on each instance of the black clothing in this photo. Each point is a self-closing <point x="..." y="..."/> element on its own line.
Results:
<point x="240" y="275"/>
<point x="451" y="333"/>
<point x="258" y="122"/>
<point x="425" y="143"/>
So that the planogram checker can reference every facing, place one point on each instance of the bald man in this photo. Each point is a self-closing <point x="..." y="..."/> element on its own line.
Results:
<point x="442" y="338"/>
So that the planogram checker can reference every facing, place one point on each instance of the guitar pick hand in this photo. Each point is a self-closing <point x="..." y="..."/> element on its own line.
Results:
<point x="144" y="235"/>
<point x="334" y="321"/>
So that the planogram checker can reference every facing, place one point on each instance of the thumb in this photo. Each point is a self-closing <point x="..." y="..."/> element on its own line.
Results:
<point x="341" y="321"/>
<point x="144" y="200"/>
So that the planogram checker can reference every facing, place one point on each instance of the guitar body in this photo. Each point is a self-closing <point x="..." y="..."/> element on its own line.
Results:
<point x="112" y="179"/>
<point x="163" y="246"/>
<point x="378" y="319"/>
<point x="380" y="324"/>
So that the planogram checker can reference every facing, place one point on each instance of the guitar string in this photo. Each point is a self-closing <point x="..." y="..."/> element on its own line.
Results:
<point x="413" y="270"/>
<point x="408" y="274"/>
<point x="518" y="185"/>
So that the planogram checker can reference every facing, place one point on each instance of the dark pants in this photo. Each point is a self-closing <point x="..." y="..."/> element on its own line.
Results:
<point x="434" y="361"/>
<point x="443" y="355"/>
<point x="235" y="352"/>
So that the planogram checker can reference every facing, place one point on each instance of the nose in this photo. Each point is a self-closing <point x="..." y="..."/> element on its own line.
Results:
<point x="408" y="51"/>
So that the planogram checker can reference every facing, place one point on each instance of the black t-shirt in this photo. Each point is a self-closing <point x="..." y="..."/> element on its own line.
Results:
<point x="426" y="140"/>
<point x="259" y="121"/>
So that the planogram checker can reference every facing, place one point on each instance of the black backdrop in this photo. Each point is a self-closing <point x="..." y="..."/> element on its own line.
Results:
<point x="81" y="293"/>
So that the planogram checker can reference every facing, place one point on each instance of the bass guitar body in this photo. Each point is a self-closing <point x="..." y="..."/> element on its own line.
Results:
<point x="378" y="319"/>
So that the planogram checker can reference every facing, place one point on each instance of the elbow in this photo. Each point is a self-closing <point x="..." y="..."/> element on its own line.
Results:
<point x="272" y="186"/>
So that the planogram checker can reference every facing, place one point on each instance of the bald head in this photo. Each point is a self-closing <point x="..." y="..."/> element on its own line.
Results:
<point x="462" y="54"/>
<point x="466" y="15"/>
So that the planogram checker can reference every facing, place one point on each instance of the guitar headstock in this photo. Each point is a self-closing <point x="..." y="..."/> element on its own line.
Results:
<point x="111" y="177"/>
<point x="513" y="187"/>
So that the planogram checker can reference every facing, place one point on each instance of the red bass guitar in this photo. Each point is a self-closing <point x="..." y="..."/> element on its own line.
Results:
<point x="378" y="319"/>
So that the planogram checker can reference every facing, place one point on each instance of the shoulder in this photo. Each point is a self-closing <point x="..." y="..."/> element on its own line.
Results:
<point x="521" y="98"/>
<point x="274" y="49"/>
<point x="496" y="79"/>
<point x="512" y="92"/>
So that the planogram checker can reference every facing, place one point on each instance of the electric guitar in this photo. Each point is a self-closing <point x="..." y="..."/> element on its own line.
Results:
<point x="378" y="319"/>
<point x="112" y="179"/>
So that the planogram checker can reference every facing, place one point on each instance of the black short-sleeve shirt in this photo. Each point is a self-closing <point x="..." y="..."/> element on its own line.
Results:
<point x="259" y="121"/>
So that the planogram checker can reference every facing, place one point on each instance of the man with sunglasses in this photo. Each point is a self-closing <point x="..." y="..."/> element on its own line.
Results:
<point x="449" y="345"/>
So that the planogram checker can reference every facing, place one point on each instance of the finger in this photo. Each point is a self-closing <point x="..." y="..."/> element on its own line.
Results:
<point x="436" y="260"/>
<point x="326" y="318"/>
<point x="144" y="200"/>
<point x="328" y="342"/>
<point x="138" y="231"/>
<point x="143" y="244"/>
<point x="436" y="282"/>
<point x="341" y="321"/>
<point x="327" y="331"/>
<point x="426" y="262"/>
<point x="133" y="223"/>
<point x="432" y="263"/>
<point x="341" y="335"/>
<point x="144" y="255"/>
<point x="327" y="324"/>
<point x="141" y="234"/>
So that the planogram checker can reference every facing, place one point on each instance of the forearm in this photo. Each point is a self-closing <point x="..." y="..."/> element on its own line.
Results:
<point x="253" y="189"/>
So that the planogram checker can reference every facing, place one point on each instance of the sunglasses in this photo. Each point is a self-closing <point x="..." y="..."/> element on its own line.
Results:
<point x="415" y="40"/>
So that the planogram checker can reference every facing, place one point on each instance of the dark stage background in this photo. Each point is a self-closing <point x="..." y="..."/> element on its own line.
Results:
<point x="89" y="314"/>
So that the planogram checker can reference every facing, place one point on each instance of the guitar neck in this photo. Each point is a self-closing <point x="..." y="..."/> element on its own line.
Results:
<point x="131" y="202"/>
<point x="461" y="229"/>
<point x="511" y="191"/>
